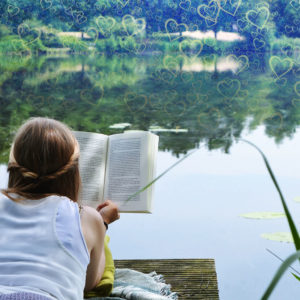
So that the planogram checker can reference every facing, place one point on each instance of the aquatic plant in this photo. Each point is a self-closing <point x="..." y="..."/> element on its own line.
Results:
<point x="296" y="255"/>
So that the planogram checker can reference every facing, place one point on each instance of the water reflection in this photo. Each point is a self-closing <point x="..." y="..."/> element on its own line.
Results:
<point x="186" y="99"/>
<point x="221" y="64"/>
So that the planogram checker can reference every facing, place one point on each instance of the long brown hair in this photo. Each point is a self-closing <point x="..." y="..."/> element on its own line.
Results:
<point x="43" y="161"/>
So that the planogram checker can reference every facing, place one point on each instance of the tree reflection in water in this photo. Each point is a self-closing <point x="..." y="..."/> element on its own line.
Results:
<point x="211" y="97"/>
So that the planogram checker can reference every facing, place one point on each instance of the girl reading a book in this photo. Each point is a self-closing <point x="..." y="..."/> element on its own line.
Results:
<point x="50" y="246"/>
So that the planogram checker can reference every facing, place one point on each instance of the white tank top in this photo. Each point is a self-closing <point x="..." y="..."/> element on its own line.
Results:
<point x="32" y="257"/>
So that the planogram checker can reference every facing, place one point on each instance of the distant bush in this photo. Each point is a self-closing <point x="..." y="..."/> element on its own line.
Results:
<point x="4" y="30"/>
<point x="52" y="41"/>
<point x="108" y="45"/>
<point x="12" y="44"/>
<point x="50" y="38"/>
<point x="73" y="43"/>
<point x="119" y="44"/>
<point x="37" y="46"/>
<point x="284" y="45"/>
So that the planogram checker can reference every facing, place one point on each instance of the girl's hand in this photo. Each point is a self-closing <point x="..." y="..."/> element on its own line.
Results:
<point x="109" y="211"/>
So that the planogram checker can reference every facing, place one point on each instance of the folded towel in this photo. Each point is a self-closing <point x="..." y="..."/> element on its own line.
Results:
<point x="120" y="284"/>
<point x="134" y="285"/>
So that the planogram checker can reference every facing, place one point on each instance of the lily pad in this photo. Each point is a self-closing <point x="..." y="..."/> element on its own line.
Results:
<point x="278" y="237"/>
<point x="263" y="215"/>
<point x="297" y="199"/>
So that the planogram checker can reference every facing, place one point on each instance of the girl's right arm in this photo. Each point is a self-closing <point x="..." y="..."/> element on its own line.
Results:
<point x="94" y="230"/>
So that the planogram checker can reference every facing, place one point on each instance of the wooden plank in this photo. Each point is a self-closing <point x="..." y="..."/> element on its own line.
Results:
<point x="190" y="278"/>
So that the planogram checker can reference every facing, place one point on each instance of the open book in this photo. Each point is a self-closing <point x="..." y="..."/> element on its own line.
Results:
<point x="117" y="166"/>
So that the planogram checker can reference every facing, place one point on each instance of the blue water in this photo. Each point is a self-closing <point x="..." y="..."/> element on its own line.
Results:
<point x="196" y="215"/>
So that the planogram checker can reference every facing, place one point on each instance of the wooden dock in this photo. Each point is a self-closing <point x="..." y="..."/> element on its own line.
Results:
<point x="190" y="278"/>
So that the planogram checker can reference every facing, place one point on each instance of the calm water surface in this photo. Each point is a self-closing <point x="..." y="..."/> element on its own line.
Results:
<point x="190" y="102"/>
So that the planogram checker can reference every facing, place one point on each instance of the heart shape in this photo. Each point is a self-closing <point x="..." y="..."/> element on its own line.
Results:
<point x="28" y="34"/>
<point x="186" y="76"/>
<point x="67" y="3"/>
<point x="156" y="101"/>
<point x="197" y="98"/>
<point x="230" y="6"/>
<point x="202" y="119"/>
<point x="140" y="48"/>
<point x="192" y="98"/>
<point x="79" y="17"/>
<point x="296" y="70"/>
<point x="172" y="4"/>
<point x="191" y="48"/>
<point x="242" y="94"/>
<point x="242" y="61"/>
<point x="258" y="43"/>
<point x="296" y="102"/>
<point x="185" y="5"/>
<point x="193" y="27"/>
<point x="100" y="7"/>
<point x="123" y="2"/>
<point x="287" y="49"/>
<point x="295" y="4"/>
<point x="242" y="24"/>
<point x="197" y="85"/>
<point x="280" y="81"/>
<point x="92" y="32"/>
<point x="289" y="29"/>
<point x="279" y="66"/>
<point x="135" y="102"/>
<point x="167" y="76"/>
<point x="133" y="26"/>
<point x="13" y="10"/>
<point x="210" y="42"/>
<point x="46" y="4"/>
<point x="229" y="87"/>
<point x="296" y="22"/>
<point x="297" y="88"/>
<point x="175" y="110"/>
<point x="130" y="45"/>
<point x="202" y="99"/>
<point x="92" y="96"/>
<point x="209" y="12"/>
<point x="173" y="27"/>
<point x="172" y="63"/>
<point x="18" y="45"/>
<point x="209" y="59"/>
<point x="105" y="25"/>
<point x="259" y="17"/>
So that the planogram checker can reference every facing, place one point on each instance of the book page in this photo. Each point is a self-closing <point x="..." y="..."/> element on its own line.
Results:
<point x="127" y="170"/>
<point x="93" y="149"/>
<point x="152" y="168"/>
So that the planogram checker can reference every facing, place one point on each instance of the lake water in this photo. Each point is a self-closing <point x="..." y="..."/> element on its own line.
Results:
<point x="191" y="102"/>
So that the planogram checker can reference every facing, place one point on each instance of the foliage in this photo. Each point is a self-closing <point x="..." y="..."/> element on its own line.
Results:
<point x="73" y="43"/>
<point x="12" y="44"/>
<point x="259" y="22"/>
<point x="4" y="30"/>
<point x="293" y="257"/>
